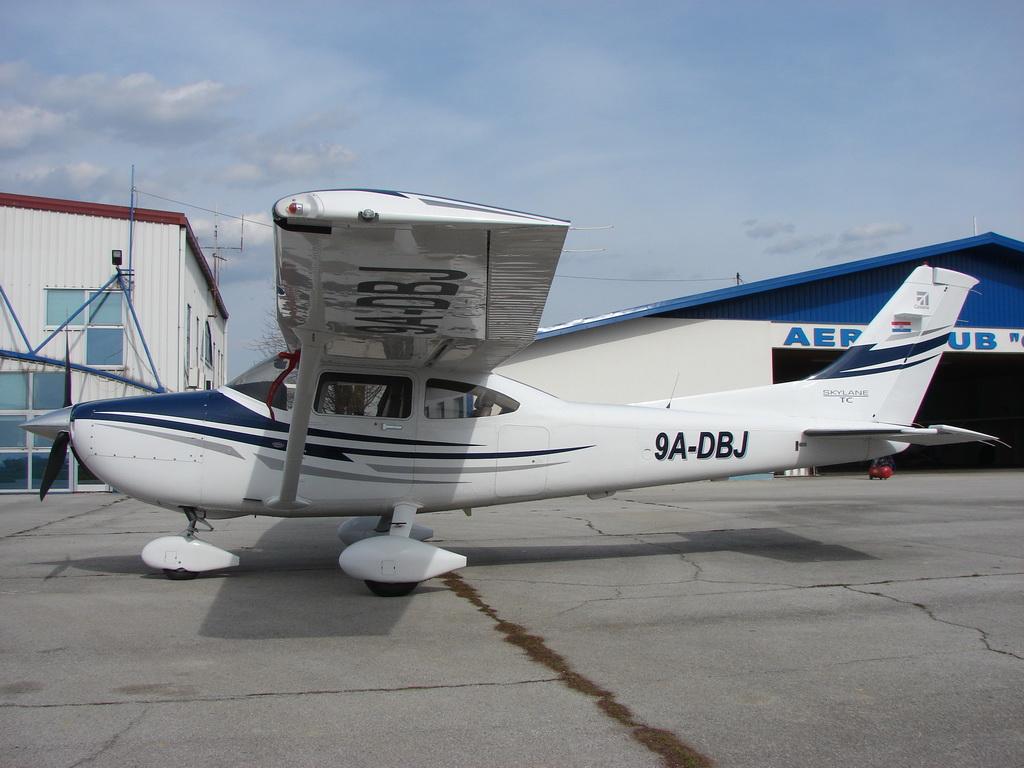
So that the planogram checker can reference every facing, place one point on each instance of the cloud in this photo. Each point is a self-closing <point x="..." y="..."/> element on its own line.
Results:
<point x="788" y="245"/>
<point x="303" y="150"/>
<point x="864" y="241"/>
<point x="139" y="108"/>
<point x="764" y="230"/>
<point x="20" y="125"/>
<point x="302" y="161"/>
<point x="80" y="180"/>
<point x="855" y="242"/>
<point x="874" y="232"/>
<point x="41" y="113"/>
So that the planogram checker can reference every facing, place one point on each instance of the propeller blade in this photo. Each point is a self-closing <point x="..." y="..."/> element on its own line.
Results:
<point x="55" y="462"/>
<point x="67" y="373"/>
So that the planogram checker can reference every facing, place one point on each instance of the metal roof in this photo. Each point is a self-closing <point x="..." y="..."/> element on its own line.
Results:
<point x="851" y="292"/>
<point x="80" y="208"/>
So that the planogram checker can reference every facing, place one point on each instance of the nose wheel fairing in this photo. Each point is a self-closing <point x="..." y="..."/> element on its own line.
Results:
<point x="184" y="555"/>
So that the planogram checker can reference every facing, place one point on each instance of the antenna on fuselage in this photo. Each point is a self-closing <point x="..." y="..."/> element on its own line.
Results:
<point x="669" y="403"/>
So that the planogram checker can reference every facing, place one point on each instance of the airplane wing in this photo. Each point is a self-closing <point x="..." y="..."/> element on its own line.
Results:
<point x="403" y="279"/>
<point x="938" y="434"/>
<point x="410" y="279"/>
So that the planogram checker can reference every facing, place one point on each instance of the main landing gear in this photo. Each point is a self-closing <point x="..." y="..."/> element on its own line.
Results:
<point x="184" y="556"/>
<point x="390" y="557"/>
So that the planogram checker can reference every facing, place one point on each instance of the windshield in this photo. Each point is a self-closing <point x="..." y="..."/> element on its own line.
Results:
<point x="256" y="382"/>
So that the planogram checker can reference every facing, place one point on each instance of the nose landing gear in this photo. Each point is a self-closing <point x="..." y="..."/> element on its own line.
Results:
<point x="184" y="556"/>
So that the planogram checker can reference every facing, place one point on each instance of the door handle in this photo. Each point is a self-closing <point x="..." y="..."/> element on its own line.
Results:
<point x="390" y="426"/>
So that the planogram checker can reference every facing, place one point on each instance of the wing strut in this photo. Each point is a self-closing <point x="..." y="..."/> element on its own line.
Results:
<point x="288" y="499"/>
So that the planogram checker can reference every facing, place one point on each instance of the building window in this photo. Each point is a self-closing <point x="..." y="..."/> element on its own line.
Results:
<point x="23" y="456"/>
<point x="208" y="345"/>
<point x="11" y="433"/>
<point x="13" y="471"/>
<point x="102" y="320"/>
<point x="188" y="338"/>
<point x="104" y="347"/>
<point x="13" y="391"/>
<point x="61" y="303"/>
<point x="106" y="309"/>
<point x="47" y="391"/>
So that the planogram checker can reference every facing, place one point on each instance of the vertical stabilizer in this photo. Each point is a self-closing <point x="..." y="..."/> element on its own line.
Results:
<point x="894" y="359"/>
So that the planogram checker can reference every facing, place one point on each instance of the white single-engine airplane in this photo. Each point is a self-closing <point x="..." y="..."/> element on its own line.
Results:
<point x="396" y="307"/>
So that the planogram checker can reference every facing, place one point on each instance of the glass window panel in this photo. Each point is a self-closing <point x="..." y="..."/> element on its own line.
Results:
<point x="39" y="460"/>
<point x="104" y="346"/>
<point x="47" y="391"/>
<point x="188" y="336"/>
<point x="356" y="394"/>
<point x="14" y="471"/>
<point x="13" y="391"/>
<point x="85" y="477"/>
<point x="60" y="303"/>
<point x="457" y="400"/>
<point x="106" y="309"/>
<point x="11" y="433"/>
<point x="208" y="346"/>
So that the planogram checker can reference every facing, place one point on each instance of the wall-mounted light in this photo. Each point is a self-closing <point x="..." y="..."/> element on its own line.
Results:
<point x="115" y="258"/>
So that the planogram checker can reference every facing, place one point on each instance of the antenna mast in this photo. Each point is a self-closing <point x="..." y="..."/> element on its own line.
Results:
<point x="217" y="248"/>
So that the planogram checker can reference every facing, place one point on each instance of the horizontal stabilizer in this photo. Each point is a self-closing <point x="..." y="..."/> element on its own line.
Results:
<point x="937" y="434"/>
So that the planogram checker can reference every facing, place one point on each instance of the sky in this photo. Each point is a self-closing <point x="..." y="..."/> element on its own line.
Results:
<point x="713" y="138"/>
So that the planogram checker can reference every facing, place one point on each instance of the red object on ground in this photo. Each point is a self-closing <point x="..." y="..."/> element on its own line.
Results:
<point x="879" y="472"/>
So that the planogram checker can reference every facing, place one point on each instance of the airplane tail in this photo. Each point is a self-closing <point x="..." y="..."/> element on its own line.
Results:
<point x="884" y="376"/>
<point x="890" y="366"/>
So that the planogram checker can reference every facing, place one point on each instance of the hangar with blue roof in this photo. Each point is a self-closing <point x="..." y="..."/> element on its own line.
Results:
<point x="788" y="328"/>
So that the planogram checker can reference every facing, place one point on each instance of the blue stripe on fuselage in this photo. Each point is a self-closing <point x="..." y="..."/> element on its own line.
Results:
<point x="219" y="413"/>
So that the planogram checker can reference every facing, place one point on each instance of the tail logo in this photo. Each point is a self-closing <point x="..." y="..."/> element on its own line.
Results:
<point x="844" y="395"/>
<point x="922" y="300"/>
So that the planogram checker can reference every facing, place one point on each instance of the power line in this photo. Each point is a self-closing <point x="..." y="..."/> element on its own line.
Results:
<point x="649" y="280"/>
<point x="200" y="208"/>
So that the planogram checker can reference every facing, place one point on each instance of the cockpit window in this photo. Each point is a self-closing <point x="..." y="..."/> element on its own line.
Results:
<point x="457" y="400"/>
<point x="360" y="394"/>
<point x="258" y="381"/>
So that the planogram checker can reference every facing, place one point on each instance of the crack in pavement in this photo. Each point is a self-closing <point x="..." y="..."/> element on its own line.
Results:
<point x="273" y="694"/>
<point x="930" y="613"/>
<point x="65" y="519"/>
<point x="110" y="743"/>
<point x="859" y="588"/>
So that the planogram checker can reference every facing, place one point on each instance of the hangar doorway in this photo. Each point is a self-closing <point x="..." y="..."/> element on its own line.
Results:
<point x="980" y="391"/>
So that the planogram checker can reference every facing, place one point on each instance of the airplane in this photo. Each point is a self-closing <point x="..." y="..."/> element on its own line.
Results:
<point x="395" y="308"/>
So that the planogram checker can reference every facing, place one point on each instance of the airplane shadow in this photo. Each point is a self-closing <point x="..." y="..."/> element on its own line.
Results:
<point x="289" y="585"/>
<point x="773" y="543"/>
